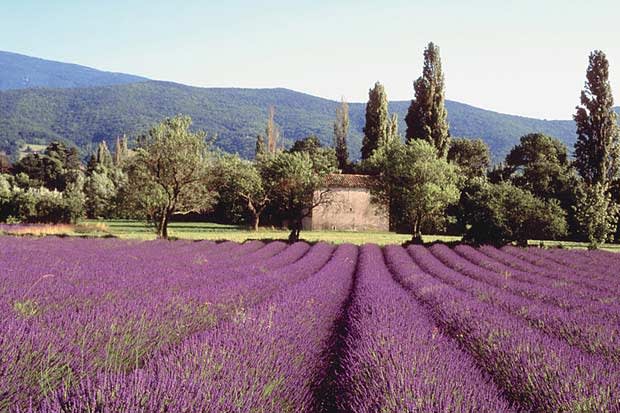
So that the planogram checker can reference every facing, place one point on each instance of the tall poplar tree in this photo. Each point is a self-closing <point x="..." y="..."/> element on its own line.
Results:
<point x="103" y="155"/>
<point x="260" y="146"/>
<point x="597" y="146"/>
<point x="597" y="153"/>
<point x="121" y="150"/>
<point x="376" y="129"/>
<point x="427" y="117"/>
<point x="392" y="134"/>
<point x="272" y="131"/>
<point x="341" y="130"/>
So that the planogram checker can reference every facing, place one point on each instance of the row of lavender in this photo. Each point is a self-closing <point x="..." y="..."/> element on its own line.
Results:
<point x="265" y="327"/>
<point x="74" y="308"/>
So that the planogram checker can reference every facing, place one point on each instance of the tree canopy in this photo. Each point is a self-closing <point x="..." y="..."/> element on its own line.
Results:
<point x="376" y="127"/>
<point x="171" y="173"/>
<point x="415" y="179"/>
<point x="427" y="117"/>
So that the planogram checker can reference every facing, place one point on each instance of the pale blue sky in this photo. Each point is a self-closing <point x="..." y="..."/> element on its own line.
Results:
<point x="523" y="57"/>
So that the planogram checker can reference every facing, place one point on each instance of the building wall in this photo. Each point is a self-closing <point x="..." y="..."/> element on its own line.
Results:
<point x="350" y="210"/>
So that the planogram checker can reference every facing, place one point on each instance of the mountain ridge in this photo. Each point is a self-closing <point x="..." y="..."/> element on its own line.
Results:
<point x="88" y="114"/>
<point x="19" y="71"/>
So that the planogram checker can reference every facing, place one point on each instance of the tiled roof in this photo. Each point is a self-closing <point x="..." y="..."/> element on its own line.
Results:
<point x="348" y="181"/>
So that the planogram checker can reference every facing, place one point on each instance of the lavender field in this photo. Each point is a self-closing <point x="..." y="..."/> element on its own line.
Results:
<point x="103" y="325"/>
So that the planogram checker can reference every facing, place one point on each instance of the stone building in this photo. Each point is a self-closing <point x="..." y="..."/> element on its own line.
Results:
<point x="350" y="208"/>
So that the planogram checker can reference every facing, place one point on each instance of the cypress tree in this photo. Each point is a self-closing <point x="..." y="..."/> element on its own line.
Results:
<point x="427" y="117"/>
<point x="341" y="130"/>
<point x="121" y="150"/>
<point x="103" y="156"/>
<point x="596" y="149"/>
<point x="392" y="134"/>
<point x="376" y="127"/>
<point x="596" y="153"/>
<point x="272" y="131"/>
<point x="260" y="146"/>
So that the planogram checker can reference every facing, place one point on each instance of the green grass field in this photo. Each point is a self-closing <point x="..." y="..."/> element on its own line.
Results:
<point x="211" y="231"/>
<point x="129" y="229"/>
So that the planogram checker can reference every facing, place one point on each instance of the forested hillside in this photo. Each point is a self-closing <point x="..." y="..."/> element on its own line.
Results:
<point x="21" y="72"/>
<point x="87" y="115"/>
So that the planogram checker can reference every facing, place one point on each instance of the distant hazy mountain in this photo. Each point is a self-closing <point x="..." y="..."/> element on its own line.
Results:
<point x="19" y="72"/>
<point x="88" y="115"/>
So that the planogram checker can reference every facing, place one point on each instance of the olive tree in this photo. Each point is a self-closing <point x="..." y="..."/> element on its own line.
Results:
<point x="295" y="181"/>
<point x="240" y="182"/>
<point x="171" y="173"/>
<point x="415" y="179"/>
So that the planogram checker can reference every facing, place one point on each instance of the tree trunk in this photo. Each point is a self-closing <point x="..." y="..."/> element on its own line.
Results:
<point x="162" y="228"/>
<point x="295" y="228"/>
<point x="255" y="221"/>
<point x="522" y="243"/>
<point x="416" y="233"/>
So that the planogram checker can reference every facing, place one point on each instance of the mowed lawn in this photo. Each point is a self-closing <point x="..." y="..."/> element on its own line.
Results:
<point x="217" y="232"/>
<point x="132" y="229"/>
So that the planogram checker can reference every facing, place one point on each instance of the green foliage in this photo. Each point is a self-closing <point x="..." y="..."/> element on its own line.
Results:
<point x="103" y="156"/>
<point x="5" y="164"/>
<point x="501" y="213"/>
<point x="471" y="155"/>
<point x="597" y="149"/>
<point x="240" y="186"/>
<point x="21" y="202"/>
<point x="596" y="214"/>
<point x="376" y="127"/>
<point x="427" y="117"/>
<point x="102" y="189"/>
<point x="260" y="146"/>
<point x="540" y="165"/>
<point x="323" y="159"/>
<point x="84" y="117"/>
<point x="415" y="184"/>
<point x="341" y="131"/>
<point x="171" y="173"/>
<point x="53" y="169"/>
<point x="295" y="182"/>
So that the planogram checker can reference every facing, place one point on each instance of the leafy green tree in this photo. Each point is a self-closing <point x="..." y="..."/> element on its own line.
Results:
<point x="322" y="158"/>
<point x="392" y="130"/>
<point x="42" y="170"/>
<point x="260" y="146"/>
<point x="597" y="152"/>
<point x="597" y="146"/>
<point x="121" y="150"/>
<point x="310" y="145"/>
<point x="272" y="131"/>
<point x="341" y="131"/>
<point x="53" y="168"/>
<point x="68" y="156"/>
<point x="101" y="191"/>
<point x="170" y="173"/>
<point x="416" y="180"/>
<point x="5" y="164"/>
<point x="376" y="128"/>
<point x="103" y="156"/>
<point x="596" y="214"/>
<point x="540" y="164"/>
<point x="239" y="181"/>
<point x="501" y="213"/>
<point x="427" y="117"/>
<point x="295" y="183"/>
<point x="8" y="209"/>
<point x="471" y="155"/>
